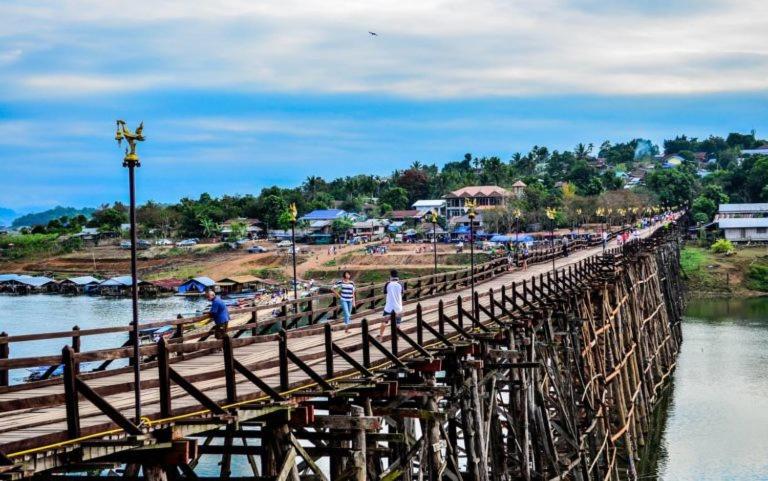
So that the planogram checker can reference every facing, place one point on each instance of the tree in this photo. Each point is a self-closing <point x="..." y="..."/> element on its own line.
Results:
<point x="340" y="227"/>
<point x="239" y="230"/>
<point x="210" y="228"/>
<point x="671" y="186"/>
<point x="704" y="205"/>
<point x="397" y="197"/>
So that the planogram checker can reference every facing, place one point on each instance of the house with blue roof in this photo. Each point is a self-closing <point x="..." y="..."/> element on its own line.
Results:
<point x="197" y="285"/>
<point x="324" y="214"/>
<point x="79" y="285"/>
<point x="23" y="284"/>
<point x="121" y="286"/>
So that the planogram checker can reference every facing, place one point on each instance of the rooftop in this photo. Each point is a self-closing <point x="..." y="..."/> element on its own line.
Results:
<point x="743" y="223"/>
<point x="480" y="191"/>
<point x="324" y="214"/>
<point x="736" y="208"/>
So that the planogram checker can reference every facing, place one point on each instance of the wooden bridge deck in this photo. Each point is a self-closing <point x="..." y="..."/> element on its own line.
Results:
<point x="42" y="426"/>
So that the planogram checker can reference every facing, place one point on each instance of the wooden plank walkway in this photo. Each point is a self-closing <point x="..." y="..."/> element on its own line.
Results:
<point x="23" y="431"/>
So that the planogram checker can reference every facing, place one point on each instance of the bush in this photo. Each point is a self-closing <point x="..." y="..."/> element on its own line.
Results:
<point x="722" y="246"/>
<point x="758" y="277"/>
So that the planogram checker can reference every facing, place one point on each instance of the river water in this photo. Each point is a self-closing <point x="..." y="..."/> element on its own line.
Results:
<point x="48" y="312"/>
<point x="713" y="425"/>
<point x="717" y="415"/>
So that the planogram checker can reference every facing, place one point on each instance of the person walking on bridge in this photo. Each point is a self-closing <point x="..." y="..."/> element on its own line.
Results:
<point x="394" y="303"/>
<point x="346" y="295"/>
<point x="219" y="314"/>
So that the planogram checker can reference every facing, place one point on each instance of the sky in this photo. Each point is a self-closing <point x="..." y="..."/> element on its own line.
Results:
<point x="238" y="95"/>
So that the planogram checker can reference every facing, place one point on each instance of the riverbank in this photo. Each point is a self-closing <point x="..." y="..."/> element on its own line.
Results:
<point x="744" y="273"/>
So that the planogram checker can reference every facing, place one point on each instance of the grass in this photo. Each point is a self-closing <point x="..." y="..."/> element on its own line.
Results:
<point x="702" y="270"/>
<point x="738" y="273"/>
<point x="178" y="273"/>
<point x="22" y="246"/>
<point x="273" y="273"/>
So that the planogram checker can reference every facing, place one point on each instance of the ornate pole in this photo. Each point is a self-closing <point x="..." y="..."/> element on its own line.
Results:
<point x="551" y="214"/>
<point x="434" y="236"/>
<point x="131" y="161"/>
<point x="293" y="213"/>
<point x="517" y="215"/>
<point x="470" y="205"/>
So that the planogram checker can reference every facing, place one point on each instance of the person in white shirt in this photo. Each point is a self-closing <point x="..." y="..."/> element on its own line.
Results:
<point x="394" y="303"/>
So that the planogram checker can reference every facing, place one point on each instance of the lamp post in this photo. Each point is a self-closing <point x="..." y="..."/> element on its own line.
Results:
<point x="551" y="214"/>
<point x="433" y="218"/>
<point x="517" y="214"/>
<point x="470" y="205"/>
<point x="578" y="220"/>
<point x="131" y="161"/>
<point x="293" y="213"/>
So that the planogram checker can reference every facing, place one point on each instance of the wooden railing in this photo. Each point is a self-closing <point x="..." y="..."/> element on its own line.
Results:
<point x="291" y="314"/>
<point x="442" y="324"/>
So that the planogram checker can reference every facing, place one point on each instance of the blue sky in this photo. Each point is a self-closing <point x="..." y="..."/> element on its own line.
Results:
<point x="239" y="95"/>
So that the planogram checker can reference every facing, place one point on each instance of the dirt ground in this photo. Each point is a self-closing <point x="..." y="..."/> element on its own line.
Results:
<point x="215" y="261"/>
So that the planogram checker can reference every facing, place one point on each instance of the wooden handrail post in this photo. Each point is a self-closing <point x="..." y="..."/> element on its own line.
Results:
<point x="70" y="393"/>
<point x="476" y="312"/>
<point x="76" y="345"/>
<point x="229" y="369"/>
<point x="328" y="350"/>
<point x="164" y="378"/>
<point x="5" y="350"/>
<point x="491" y="300"/>
<point x="504" y="297"/>
<point x="254" y="320"/>
<point x="440" y="323"/>
<point x="419" y="325"/>
<point x="393" y="331"/>
<point x="460" y="311"/>
<point x="283" y="353"/>
<point x="366" y="343"/>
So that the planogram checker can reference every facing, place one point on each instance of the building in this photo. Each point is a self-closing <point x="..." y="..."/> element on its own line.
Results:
<point x="79" y="285"/>
<point x="23" y="284"/>
<point x="486" y="197"/>
<point x="197" y="285"/>
<point x="762" y="150"/>
<point x="518" y="189"/>
<point x="167" y="286"/>
<point x="252" y="227"/>
<point x="425" y="207"/>
<point x="412" y="215"/>
<point x="324" y="214"/>
<point x="739" y="211"/>
<point x="121" y="286"/>
<point x="240" y="284"/>
<point x="370" y="229"/>
<point x="745" y="229"/>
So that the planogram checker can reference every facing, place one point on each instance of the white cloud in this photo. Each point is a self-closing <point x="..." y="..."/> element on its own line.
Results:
<point x="426" y="49"/>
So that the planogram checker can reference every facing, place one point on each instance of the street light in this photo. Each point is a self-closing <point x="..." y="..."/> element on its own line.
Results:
<point x="131" y="161"/>
<point x="470" y="205"/>
<point x="517" y="214"/>
<point x="578" y="220"/>
<point x="551" y="214"/>
<point x="292" y="214"/>
<point x="433" y="218"/>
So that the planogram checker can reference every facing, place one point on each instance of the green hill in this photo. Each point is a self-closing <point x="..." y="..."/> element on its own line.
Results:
<point x="42" y="218"/>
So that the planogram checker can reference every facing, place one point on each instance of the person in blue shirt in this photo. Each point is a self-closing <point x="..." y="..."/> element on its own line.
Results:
<point x="219" y="313"/>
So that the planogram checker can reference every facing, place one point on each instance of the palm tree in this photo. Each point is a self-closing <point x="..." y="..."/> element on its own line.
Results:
<point x="416" y="165"/>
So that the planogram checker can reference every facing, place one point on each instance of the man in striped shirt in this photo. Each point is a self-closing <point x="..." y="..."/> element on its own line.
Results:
<point x="346" y="295"/>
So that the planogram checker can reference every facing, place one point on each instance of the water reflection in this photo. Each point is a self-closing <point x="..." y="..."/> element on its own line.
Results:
<point x="717" y="418"/>
<point x="46" y="313"/>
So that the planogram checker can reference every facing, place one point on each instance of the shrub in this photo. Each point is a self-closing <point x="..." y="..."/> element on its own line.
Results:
<point x="758" y="277"/>
<point x="722" y="246"/>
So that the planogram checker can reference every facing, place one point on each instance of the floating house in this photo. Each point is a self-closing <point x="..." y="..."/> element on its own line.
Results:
<point x="167" y="286"/>
<point x="79" y="285"/>
<point x="196" y="285"/>
<point x="241" y="284"/>
<point x="23" y="284"/>
<point x="121" y="286"/>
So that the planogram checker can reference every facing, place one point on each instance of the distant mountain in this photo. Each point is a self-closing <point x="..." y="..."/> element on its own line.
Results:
<point x="7" y="216"/>
<point x="42" y="218"/>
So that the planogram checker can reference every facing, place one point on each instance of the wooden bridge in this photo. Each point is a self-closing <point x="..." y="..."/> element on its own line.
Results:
<point x="537" y="374"/>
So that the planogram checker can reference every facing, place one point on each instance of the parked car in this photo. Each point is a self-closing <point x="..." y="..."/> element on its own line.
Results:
<point x="257" y="249"/>
<point x="163" y="242"/>
<point x="284" y="243"/>
<point x="186" y="243"/>
<point x="140" y="244"/>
